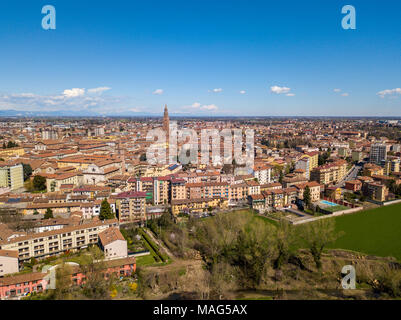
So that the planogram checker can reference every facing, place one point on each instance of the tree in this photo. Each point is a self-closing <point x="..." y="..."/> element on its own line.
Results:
<point x="281" y="177"/>
<point x="49" y="214"/>
<point x="317" y="235"/>
<point x="39" y="183"/>
<point x="307" y="196"/>
<point x="284" y="236"/>
<point x="63" y="283"/>
<point x="27" y="171"/>
<point x="105" y="211"/>
<point x="142" y="157"/>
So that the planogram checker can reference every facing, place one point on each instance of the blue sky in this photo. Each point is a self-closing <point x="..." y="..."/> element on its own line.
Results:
<point x="204" y="57"/>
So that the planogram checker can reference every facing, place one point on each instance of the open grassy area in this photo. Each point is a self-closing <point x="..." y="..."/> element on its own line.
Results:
<point x="376" y="231"/>
<point x="145" y="260"/>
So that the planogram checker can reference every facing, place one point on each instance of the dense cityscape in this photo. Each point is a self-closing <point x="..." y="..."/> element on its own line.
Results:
<point x="77" y="188"/>
<point x="186" y="159"/>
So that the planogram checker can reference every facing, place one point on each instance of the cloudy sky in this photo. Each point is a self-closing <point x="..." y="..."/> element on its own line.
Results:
<point x="220" y="57"/>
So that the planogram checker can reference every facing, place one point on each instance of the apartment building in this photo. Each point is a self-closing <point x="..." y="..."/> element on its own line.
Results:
<point x="207" y="190"/>
<point x="11" y="176"/>
<point x="51" y="243"/>
<point x="197" y="205"/>
<point x="314" y="188"/>
<point x="313" y="158"/>
<point x="178" y="189"/>
<point x="161" y="190"/>
<point x="262" y="172"/>
<point x="304" y="164"/>
<point x="375" y="191"/>
<point x="378" y="153"/>
<point x="238" y="192"/>
<point x="131" y="206"/>
<point x="371" y="169"/>
<point x="330" y="173"/>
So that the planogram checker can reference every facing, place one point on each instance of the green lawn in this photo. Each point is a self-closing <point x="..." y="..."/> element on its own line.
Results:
<point x="376" y="231"/>
<point x="145" y="260"/>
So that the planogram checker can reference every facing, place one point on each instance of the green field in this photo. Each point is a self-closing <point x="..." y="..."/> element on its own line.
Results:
<point x="375" y="232"/>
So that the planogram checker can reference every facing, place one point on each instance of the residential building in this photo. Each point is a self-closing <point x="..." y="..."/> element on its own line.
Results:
<point x="131" y="206"/>
<point x="378" y="153"/>
<point x="11" y="176"/>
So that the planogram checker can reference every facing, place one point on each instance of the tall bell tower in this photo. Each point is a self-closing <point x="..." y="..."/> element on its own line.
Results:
<point x="166" y="122"/>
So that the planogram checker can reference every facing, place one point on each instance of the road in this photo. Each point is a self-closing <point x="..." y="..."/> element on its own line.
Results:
<point x="351" y="175"/>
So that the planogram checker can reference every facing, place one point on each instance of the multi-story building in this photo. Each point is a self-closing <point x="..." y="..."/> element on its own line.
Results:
<point x="12" y="176"/>
<point x="197" y="205"/>
<point x="314" y="188"/>
<point x="51" y="243"/>
<point x="378" y="153"/>
<point x="113" y="244"/>
<point x="161" y="190"/>
<point x="330" y="173"/>
<point x="357" y="155"/>
<point x="263" y="173"/>
<point x="178" y="189"/>
<point x="207" y="190"/>
<point x="131" y="206"/>
<point x="375" y="191"/>
<point x="371" y="169"/>
<point x="304" y="164"/>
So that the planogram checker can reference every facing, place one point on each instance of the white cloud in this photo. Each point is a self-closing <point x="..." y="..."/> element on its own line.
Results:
<point x="158" y="92"/>
<point x="345" y="94"/>
<point x="99" y="90"/>
<point x="210" y="107"/>
<point x="290" y="94"/>
<point x="242" y="92"/>
<point x="74" y="92"/>
<point x="389" y="92"/>
<point x="74" y="100"/>
<point x="216" y="90"/>
<point x="337" y="90"/>
<point x="279" y="90"/>
<point x="197" y="105"/>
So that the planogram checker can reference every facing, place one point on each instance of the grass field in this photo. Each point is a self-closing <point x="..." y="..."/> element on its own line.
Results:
<point x="375" y="232"/>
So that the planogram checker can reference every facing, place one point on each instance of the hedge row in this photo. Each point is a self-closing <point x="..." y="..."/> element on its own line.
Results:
<point x="153" y="247"/>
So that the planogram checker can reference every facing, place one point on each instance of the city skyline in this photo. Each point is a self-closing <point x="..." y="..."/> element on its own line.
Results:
<point x="202" y="59"/>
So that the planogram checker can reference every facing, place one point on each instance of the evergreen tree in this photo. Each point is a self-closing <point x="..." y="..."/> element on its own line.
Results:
<point x="307" y="196"/>
<point x="49" y="214"/>
<point x="105" y="211"/>
<point x="27" y="171"/>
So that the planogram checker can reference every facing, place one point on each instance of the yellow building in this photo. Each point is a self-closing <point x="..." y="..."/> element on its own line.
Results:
<point x="313" y="159"/>
<point x="12" y="176"/>
<point x="197" y="205"/>
<point x="330" y="173"/>
<point x="371" y="169"/>
<point x="12" y="152"/>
